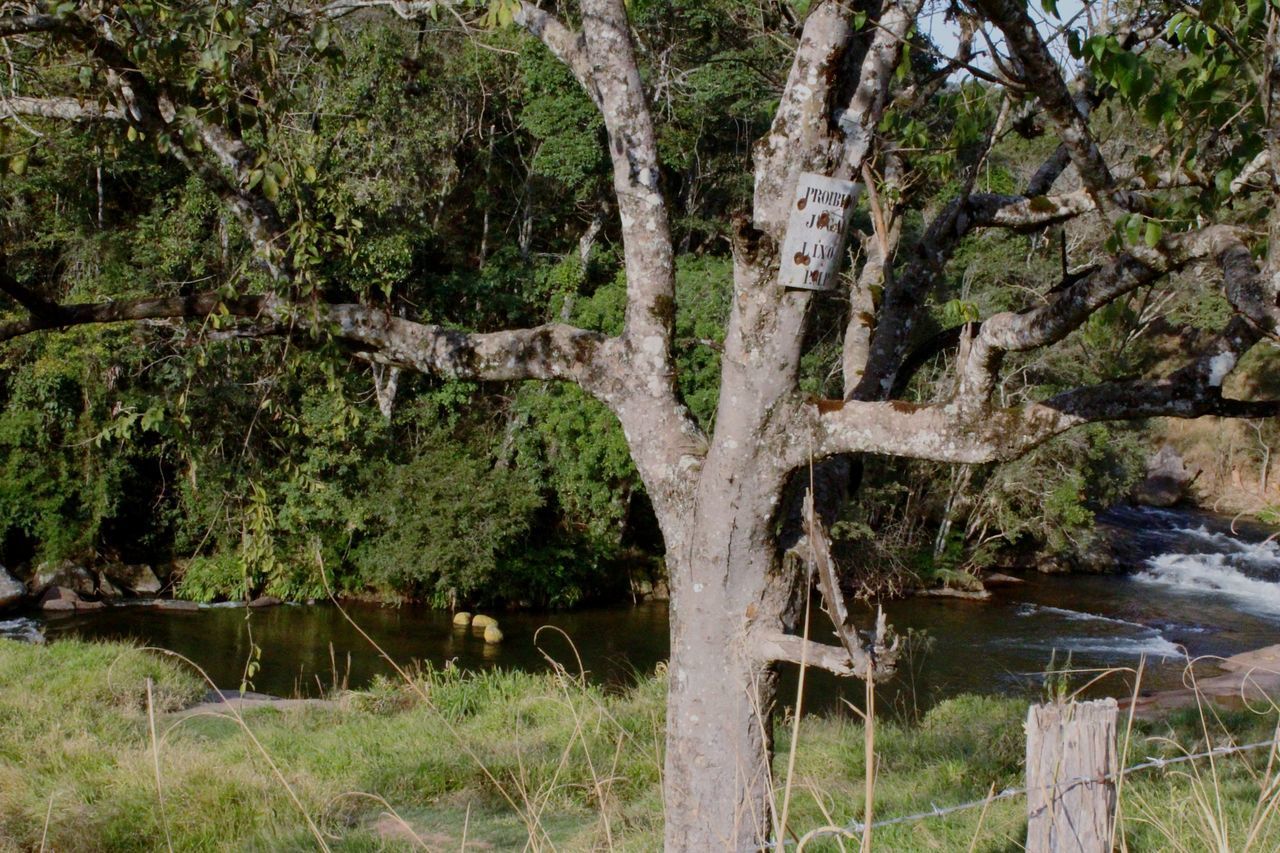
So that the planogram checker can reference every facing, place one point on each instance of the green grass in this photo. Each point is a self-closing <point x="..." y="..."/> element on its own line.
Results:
<point x="573" y="766"/>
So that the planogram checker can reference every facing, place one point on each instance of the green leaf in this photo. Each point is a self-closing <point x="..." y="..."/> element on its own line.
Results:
<point x="18" y="164"/>
<point x="1153" y="233"/>
<point x="270" y="187"/>
<point x="320" y="37"/>
<point x="153" y="417"/>
<point x="1132" y="229"/>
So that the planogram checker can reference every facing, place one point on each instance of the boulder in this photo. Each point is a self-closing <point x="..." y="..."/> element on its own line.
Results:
<point x="11" y="589"/>
<point x="60" y="598"/>
<point x="265" y="601"/>
<point x="462" y="618"/>
<point x="997" y="579"/>
<point x="1168" y="479"/>
<point x="64" y="574"/>
<point x="106" y="589"/>
<point x="1097" y="557"/>
<point x="1053" y="566"/>
<point x="492" y="634"/>
<point x="138" y="578"/>
<point x="482" y="621"/>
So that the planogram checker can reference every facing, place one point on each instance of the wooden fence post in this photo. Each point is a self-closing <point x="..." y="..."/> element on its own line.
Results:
<point x="1071" y="777"/>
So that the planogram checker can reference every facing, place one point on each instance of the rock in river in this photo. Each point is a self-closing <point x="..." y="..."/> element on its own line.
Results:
<point x="61" y="598"/>
<point x="11" y="589"/>
<point x="65" y="574"/>
<point x="1168" y="479"/>
<point x="138" y="579"/>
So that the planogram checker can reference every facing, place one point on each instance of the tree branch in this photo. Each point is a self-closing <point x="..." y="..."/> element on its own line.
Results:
<point x="800" y="137"/>
<point x="866" y="106"/>
<point x="153" y="111"/>
<point x="946" y="432"/>
<point x="65" y="109"/>
<point x="19" y="25"/>
<point x="966" y="431"/>
<point x="409" y="10"/>
<point x="1071" y="306"/>
<point x="636" y="182"/>
<point x="874" y="660"/>
<point x="788" y="648"/>
<point x="1043" y="76"/>
<point x="39" y="307"/>
<point x="553" y="351"/>
<point x="567" y="46"/>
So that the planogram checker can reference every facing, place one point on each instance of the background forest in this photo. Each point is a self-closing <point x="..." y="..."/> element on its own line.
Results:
<point x="473" y="191"/>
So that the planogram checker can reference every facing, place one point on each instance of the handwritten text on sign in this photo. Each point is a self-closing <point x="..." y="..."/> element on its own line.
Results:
<point x="816" y="231"/>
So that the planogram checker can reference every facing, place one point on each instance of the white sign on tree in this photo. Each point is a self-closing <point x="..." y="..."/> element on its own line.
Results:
<point x="816" y="231"/>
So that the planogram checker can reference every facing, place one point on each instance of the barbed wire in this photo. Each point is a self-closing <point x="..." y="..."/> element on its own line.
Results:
<point x="857" y="827"/>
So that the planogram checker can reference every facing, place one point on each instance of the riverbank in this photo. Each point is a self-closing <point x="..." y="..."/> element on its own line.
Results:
<point x="489" y="756"/>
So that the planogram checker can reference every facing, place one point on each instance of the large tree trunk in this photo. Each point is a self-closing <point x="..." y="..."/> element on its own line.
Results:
<point x="717" y="784"/>
<point x="727" y="582"/>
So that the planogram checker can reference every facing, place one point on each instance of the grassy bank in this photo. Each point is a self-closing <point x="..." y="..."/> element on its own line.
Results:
<point x="499" y="758"/>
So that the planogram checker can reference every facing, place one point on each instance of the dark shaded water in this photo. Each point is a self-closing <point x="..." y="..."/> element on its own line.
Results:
<point x="1191" y="585"/>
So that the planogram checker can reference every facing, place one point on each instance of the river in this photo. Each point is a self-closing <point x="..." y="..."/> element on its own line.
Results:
<point x="1189" y="586"/>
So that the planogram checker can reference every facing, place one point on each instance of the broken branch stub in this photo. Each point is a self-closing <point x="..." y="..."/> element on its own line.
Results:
<point x="875" y="657"/>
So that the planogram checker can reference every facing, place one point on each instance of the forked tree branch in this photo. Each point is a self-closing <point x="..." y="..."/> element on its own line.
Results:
<point x="142" y="103"/>
<point x="1243" y="285"/>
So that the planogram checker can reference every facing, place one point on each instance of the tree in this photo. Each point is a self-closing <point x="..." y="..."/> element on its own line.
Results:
<point x="207" y="84"/>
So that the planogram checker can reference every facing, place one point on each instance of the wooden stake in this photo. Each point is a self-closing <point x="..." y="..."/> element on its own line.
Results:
<point x="1071" y="777"/>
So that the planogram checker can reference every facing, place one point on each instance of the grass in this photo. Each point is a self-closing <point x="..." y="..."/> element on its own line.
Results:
<point x="514" y="761"/>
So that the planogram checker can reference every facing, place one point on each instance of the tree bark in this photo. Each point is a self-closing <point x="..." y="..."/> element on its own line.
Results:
<point x="728" y="585"/>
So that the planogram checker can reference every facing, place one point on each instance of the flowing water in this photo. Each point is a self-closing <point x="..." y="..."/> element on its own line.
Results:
<point x="1190" y="585"/>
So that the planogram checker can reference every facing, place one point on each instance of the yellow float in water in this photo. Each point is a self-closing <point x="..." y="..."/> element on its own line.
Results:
<point x="482" y="621"/>
<point x="492" y="634"/>
<point x="462" y="618"/>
